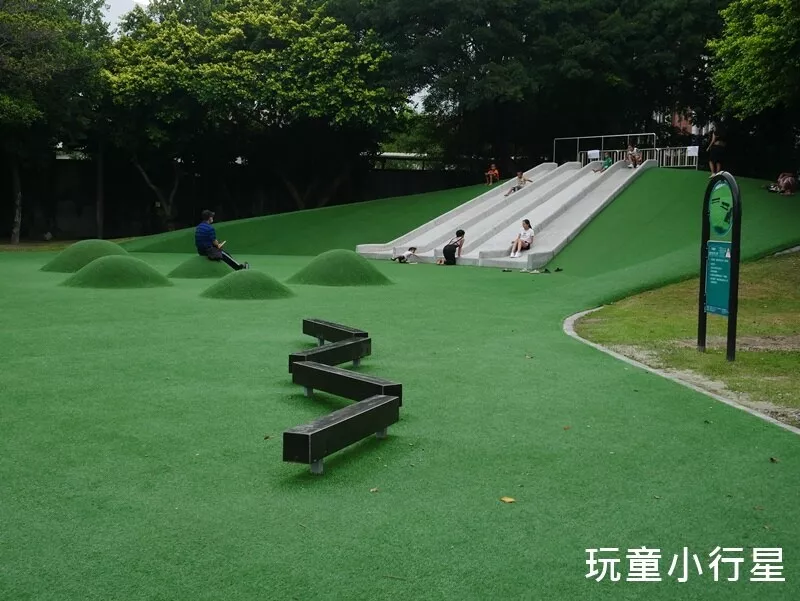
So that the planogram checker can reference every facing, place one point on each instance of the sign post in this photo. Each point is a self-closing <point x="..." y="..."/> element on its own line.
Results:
<point x="719" y="257"/>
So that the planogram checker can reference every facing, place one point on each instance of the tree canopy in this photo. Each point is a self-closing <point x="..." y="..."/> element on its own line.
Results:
<point x="757" y="58"/>
<point x="302" y="92"/>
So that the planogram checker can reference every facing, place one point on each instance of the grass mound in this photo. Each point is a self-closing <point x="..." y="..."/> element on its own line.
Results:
<point x="200" y="268"/>
<point x="247" y="285"/>
<point x="340" y="268"/>
<point x="117" y="271"/>
<point x="80" y="254"/>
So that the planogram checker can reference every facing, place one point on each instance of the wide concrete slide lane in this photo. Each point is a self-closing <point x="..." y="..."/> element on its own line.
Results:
<point x="522" y="204"/>
<point x="444" y="226"/>
<point x="562" y="217"/>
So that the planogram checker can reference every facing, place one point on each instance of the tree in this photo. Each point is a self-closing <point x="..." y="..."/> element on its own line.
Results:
<point x="757" y="59"/>
<point x="272" y="82"/>
<point x="506" y="76"/>
<point x="47" y="68"/>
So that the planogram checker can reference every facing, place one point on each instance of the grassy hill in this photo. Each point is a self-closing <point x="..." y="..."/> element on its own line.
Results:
<point x="317" y="230"/>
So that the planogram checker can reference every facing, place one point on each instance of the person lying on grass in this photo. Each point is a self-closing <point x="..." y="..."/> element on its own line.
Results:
<point x="523" y="240"/>
<point x="786" y="184"/>
<point x="404" y="258"/>
<point x="205" y="240"/>
<point x="521" y="181"/>
<point x="451" y="249"/>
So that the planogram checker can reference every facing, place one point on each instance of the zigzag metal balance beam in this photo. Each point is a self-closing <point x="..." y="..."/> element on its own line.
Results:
<point x="335" y="353"/>
<point x="312" y="442"/>
<point x="378" y="400"/>
<point x="332" y="332"/>
<point x="342" y="382"/>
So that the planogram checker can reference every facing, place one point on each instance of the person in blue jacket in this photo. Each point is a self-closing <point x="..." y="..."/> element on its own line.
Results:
<point x="205" y="239"/>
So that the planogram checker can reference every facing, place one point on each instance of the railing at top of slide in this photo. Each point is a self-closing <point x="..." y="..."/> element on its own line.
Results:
<point x="606" y="143"/>
<point x="674" y="156"/>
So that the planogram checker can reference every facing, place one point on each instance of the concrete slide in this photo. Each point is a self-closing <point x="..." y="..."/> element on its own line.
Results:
<point x="559" y="203"/>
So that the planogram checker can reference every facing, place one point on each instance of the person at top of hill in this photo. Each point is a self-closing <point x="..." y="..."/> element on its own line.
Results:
<point x="205" y="240"/>
<point x="493" y="175"/>
<point x="607" y="162"/>
<point x="716" y="151"/>
<point x="452" y="250"/>
<point x="523" y="240"/>
<point x="519" y="184"/>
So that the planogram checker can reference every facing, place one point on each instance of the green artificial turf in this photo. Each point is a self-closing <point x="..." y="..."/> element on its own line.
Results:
<point x="247" y="284"/>
<point x="117" y="271"/>
<point x="198" y="267"/>
<point x="340" y="267"/>
<point x="311" y="232"/>
<point x="80" y="254"/>
<point x="140" y="452"/>
<point x="650" y="235"/>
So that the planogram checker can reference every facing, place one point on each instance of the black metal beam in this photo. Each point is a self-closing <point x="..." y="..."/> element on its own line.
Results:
<point x="324" y="330"/>
<point x="343" y="382"/>
<point x="335" y="353"/>
<point x="312" y="442"/>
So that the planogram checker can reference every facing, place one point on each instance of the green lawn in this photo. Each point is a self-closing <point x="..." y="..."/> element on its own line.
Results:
<point x="140" y="450"/>
<point x="662" y="325"/>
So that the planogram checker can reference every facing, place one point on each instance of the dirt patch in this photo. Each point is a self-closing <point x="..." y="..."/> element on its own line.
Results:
<point x="639" y="354"/>
<point x="786" y="415"/>
<point x="748" y="343"/>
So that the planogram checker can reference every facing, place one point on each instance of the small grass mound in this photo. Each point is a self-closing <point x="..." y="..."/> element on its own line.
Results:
<point x="117" y="271"/>
<point x="247" y="285"/>
<point x="79" y="255"/>
<point x="340" y="268"/>
<point x="198" y="268"/>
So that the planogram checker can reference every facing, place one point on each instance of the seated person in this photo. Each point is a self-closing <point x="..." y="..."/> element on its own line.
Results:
<point x="523" y="240"/>
<point x="205" y="239"/>
<point x="787" y="183"/>
<point x="493" y="175"/>
<point x="520" y="183"/>
<point x="634" y="157"/>
<point x="607" y="162"/>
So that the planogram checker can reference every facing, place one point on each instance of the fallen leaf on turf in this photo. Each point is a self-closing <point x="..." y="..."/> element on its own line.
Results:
<point x="373" y="489"/>
<point x="773" y="459"/>
<point x="508" y="499"/>
<point x="567" y="427"/>
<point x="656" y="497"/>
<point x="267" y="437"/>
<point x="707" y="421"/>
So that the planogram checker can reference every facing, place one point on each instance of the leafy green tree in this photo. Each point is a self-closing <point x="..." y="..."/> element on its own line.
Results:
<point x="757" y="58"/>
<point x="49" y="59"/>
<point x="506" y="76"/>
<point x="278" y="81"/>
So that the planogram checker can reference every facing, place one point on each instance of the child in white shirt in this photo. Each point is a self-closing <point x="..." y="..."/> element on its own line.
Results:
<point x="404" y="258"/>
<point x="523" y="240"/>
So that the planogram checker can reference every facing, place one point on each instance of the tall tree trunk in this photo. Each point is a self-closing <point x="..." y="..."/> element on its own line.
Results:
<point x="165" y="203"/>
<point x="100" y="193"/>
<point x="334" y="186"/>
<point x="16" y="182"/>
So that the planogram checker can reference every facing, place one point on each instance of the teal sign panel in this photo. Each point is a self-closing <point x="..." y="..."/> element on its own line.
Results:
<point x="718" y="277"/>
<point x="720" y="209"/>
